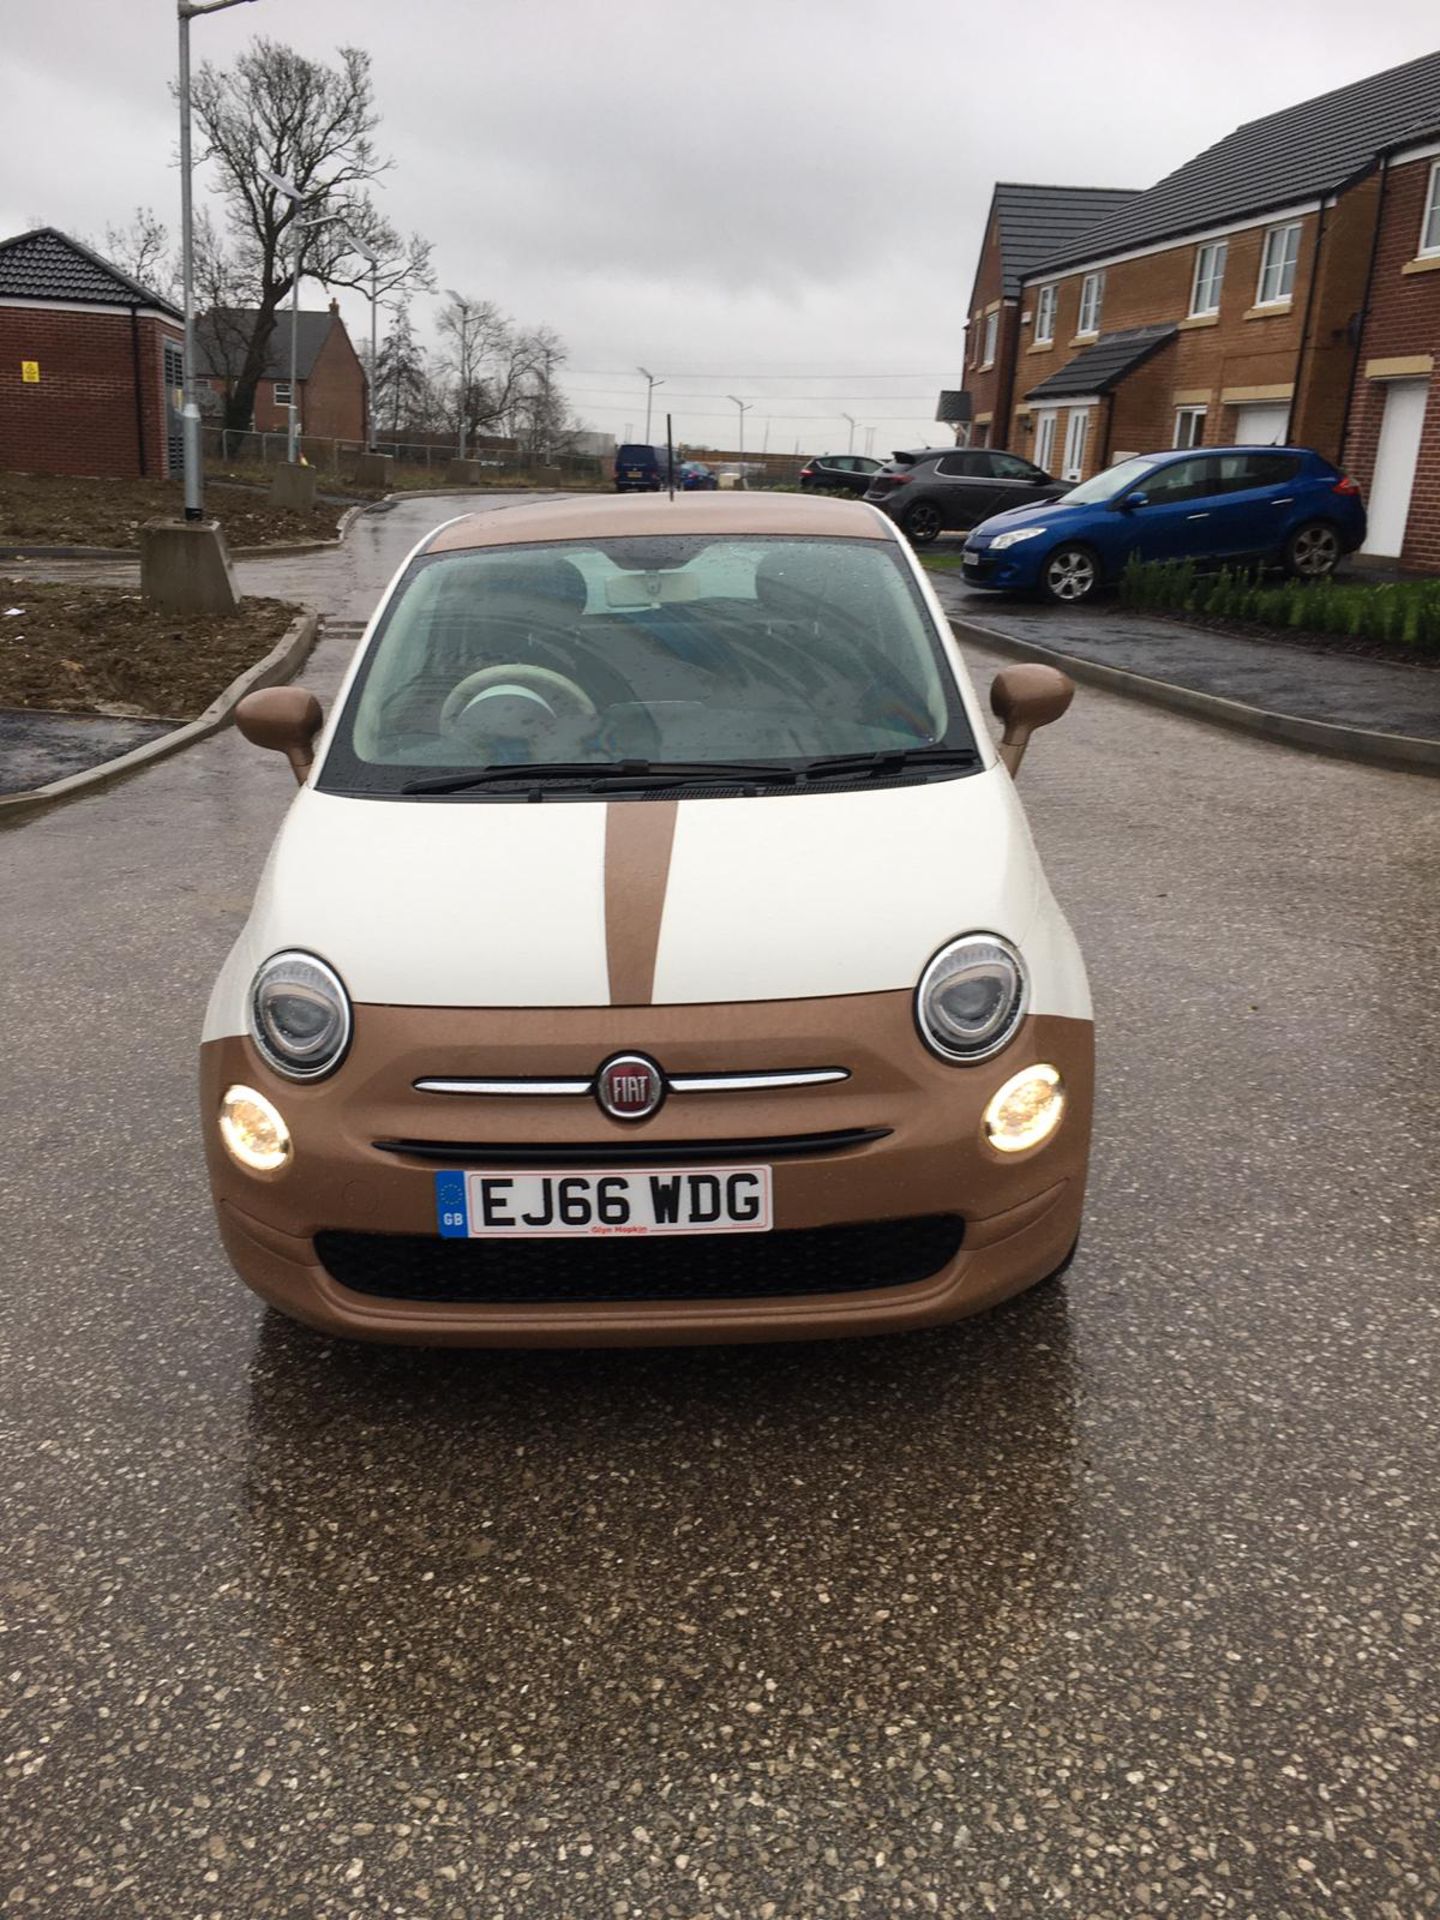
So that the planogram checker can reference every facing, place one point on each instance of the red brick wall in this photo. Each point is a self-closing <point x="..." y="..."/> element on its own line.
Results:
<point x="334" y="395"/>
<point x="80" y="417"/>
<point x="1403" y="319"/>
<point x="990" y="388"/>
<point x="332" y="399"/>
<point x="1237" y="348"/>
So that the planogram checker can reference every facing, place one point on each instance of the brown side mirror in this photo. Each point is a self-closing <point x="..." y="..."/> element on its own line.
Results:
<point x="1024" y="698"/>
<point x="286" y="719"/>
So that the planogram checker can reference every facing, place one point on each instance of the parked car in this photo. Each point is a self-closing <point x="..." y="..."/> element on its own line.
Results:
<point x="641" y="469"/>
<point x="936" y="490"/>
<point x="1282" y="506"/>
<point x="838" y="473"/>
<point x="603" y="985"/>
<point x="696" y="477"/>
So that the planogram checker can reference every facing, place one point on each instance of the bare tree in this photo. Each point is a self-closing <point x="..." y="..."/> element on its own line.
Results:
<point x="277" y="112"/>
<point x="144" y="251"/>
<point x="542" y="416"/>
<point x="489" y="362"/>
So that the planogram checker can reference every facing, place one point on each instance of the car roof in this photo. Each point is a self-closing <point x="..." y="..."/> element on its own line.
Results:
<point x="1240" y="446"/>
<point x="611" y="516"/>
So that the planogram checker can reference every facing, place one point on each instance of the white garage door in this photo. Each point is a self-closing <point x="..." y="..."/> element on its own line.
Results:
<point x="1395" y="457"/>
<point x="1264" y="426"/>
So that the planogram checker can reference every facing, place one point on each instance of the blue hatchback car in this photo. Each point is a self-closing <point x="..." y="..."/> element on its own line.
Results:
<point x="1279" y="506"/>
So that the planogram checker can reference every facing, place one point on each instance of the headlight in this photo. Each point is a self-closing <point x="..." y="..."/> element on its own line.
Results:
<point x="1013" y="539"/>
<point x="299" y="1016"/>
<point x="1026" y="1110"/>
<point x="253" y="1131"/>
<point x="971" y="997"/>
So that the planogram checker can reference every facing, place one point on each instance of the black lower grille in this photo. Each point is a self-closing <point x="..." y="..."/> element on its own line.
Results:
<point x="696" y="1266"/>
<point x="633" y="1152"/>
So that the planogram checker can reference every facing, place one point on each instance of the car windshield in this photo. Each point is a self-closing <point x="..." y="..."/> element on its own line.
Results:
<point x="678" y="648"/>
<point x="1105" y="486"/>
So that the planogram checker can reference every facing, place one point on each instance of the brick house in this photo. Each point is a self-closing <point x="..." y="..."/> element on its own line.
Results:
<point x="329" y="374"/>
<point x="1227" y="303"/>
<point x="1392" y="438"/>
<point x="90" y="364"/>
<point x="1026" y="225"/>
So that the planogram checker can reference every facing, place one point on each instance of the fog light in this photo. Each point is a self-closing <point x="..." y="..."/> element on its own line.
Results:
<point x="253" y="1132"/>
<point x="1026" y="1110"/>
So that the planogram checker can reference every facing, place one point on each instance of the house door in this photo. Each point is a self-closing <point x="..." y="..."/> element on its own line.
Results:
<point x="1264" y="426"/>
<point x="1076" y="430"/>
<point x="174" y="402"/>
<point x="1045" y="441"/>
<point x="1395" y="458"/>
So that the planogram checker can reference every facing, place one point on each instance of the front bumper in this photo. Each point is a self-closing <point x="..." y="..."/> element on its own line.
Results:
<point x="1019" y="1215"/>
<point x="1011" y="567"/>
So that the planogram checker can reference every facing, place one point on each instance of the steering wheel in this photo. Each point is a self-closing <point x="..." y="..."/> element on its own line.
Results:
<point x="549" y="685"/>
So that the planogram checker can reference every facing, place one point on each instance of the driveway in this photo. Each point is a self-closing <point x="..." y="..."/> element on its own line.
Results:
<point x="1120" y="1601"/>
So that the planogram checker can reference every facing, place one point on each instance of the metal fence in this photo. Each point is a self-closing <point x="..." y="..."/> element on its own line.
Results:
<point x="229" y="447"/>
<point x="232" y="448"/>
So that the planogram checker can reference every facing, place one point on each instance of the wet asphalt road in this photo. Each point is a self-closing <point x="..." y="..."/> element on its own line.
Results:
<point x="1121" y="1601"/>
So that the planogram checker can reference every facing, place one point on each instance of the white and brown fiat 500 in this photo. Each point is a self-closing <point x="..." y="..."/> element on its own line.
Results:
<point x="654" y="952"/>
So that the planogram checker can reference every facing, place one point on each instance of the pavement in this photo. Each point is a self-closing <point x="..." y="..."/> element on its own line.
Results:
<point x="1121" y="1601"/>
<point x="36" y="748"/>
<point x="1277" y="677"/>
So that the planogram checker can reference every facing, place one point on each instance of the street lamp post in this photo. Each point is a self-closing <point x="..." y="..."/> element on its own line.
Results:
<point x="186" y="10"/>
<point x="367" y="253"/>
<point x="650" y="385"/>
<point x="742" y="407"/>
<point x="297" y="200"/>
<point x="851" y="418"/>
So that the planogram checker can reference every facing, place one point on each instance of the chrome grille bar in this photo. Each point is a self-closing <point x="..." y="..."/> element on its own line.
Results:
<point x="761" y="1082"/>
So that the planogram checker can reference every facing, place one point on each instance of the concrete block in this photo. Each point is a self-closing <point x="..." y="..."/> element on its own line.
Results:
<point x="185" y="568"/>
<point x="294" y="487"/>
<point x="373" y="469"/>
<point x="465" y="473"/>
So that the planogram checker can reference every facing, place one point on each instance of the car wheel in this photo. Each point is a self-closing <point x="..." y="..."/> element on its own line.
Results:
<point x="1313" y="551"/>
<point x="922" y="524"/>
<point x="1071" y="574"/>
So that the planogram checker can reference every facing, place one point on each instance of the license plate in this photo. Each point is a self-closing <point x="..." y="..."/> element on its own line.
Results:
<point x="490" y="1204"/>
<point x="970" y="559"/>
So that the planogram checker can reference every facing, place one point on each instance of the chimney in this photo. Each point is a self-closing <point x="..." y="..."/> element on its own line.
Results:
<point x="335" y="307"/>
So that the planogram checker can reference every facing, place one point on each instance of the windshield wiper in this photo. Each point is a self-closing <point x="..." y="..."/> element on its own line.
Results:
<point x="603" y="773"/>
<point x="890" y="760"/>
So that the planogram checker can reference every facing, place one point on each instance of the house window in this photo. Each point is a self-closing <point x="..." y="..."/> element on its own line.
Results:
<point x="992" y="329"/>
<point x="1045" y="316"/>
<point x="1189" y="426"/>
<point x="1277" y="266"/>
<point x="1045" y="440"/>
<point x="1209" y="274"/>
<point x="1430" y="225"/>
<point x="282" y="393"/>
<point x="1092" y="292"/>
<point x="1076" y="430"/>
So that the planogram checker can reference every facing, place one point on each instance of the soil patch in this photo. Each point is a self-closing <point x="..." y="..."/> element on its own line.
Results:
<point x="60" y="510"/>
<point x="1394" y="653"/>
<point x="101" y="650"/>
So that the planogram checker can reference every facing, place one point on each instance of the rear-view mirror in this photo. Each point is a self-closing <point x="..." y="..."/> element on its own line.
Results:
<point x="1129" y="501"/>
<point x="1024" y="698"/>
<point x="285" y="719"/>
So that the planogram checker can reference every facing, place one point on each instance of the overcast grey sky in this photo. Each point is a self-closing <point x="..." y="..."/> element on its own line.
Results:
<point x="779" y="199"/>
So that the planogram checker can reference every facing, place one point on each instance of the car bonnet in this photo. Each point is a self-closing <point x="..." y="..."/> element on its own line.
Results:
<point x="595" y="903"/>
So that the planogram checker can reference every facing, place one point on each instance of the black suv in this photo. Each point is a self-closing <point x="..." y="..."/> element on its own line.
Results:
<point x="838" y="473"/>
<point x="939" y="490"/>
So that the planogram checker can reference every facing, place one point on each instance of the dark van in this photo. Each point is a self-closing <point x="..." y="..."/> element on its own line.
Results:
<point x="641" y="469"/>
